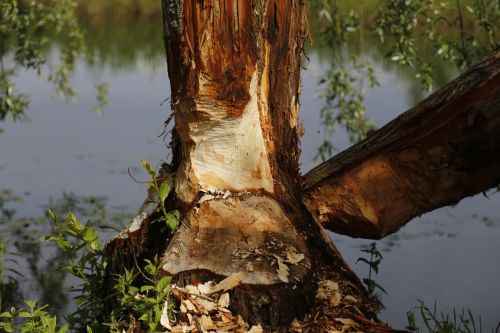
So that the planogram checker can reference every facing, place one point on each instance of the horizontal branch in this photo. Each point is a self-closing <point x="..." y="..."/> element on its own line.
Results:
<point x="445" y="148"/>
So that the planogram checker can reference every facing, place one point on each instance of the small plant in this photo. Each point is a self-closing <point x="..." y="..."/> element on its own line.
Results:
<point x="373" y="262"/>
<point x="86" y="261"/>
<point x="162" y="189"/>
<point x="146" y="304"/>
<point x="459" y="322"/>
<point x="30" y="319"/>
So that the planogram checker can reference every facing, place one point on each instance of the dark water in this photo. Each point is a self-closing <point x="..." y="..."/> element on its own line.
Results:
<point x="450" y="256"/>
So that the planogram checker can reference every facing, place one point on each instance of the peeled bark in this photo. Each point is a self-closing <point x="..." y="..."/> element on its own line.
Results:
<point x="445" y="148"/>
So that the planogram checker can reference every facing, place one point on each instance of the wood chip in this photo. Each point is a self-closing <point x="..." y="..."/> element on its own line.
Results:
<point x="223" y="301"/>
<point x="204" y="288"/>
<point x="347" y="323"/>
<point x="164" y="320"/>
<point x="296" y="325"/>
<point x="204" y="306"/>
<point x="283" y="271"/>
<point x="326" y="289"/>
<point x="228" y="283"/>
<point x="249" y="267"/>
<point x="188" y="305"/>
<point x="351" y="299"/>
<point x="335" y="299"/>
<point x="226" y="317"/>
<point x="206" y="323"/>
<point x="192" y="290"/>
<point x="187" y="329"/>
<point x="292" y="257"/>
<point x="256" y="329"/>
<point x="206" y="197"/>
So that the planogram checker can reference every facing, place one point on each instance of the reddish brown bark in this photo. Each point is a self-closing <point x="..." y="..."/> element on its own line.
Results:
<point x="444" y="149"/>
<point x="214" y="48"/>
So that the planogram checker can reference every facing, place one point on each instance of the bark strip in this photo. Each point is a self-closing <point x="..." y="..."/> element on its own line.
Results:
<point x="445" y="148"/>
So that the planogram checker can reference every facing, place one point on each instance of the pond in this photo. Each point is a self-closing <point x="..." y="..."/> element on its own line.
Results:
<point x="69" y="156"/>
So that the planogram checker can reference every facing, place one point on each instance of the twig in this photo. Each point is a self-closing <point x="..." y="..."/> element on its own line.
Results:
<point x="143" y="182"/>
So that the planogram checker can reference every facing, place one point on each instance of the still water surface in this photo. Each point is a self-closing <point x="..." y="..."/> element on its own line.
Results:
<point x="450" y="256"/>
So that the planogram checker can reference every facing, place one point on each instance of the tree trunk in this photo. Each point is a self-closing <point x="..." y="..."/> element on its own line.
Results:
<point x="234" y="68"/>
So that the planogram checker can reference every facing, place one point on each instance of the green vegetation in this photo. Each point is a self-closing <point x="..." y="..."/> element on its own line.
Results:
<point x="27" y="259"/>
<point x="162" y="189"/>
<point x="87" y="262"/>
<point x="458" y="322"/>
<point x="85" y="259"/>
<point x="456" y="37"/>
<point x="26" y="30"/>
<point x="124" y="8"/>
<point x="423" y="36"/>
<point x="77" y="251"/>
<point x="373" y="263"/>
<point x="147" y="303"/>
<point x="30" y="319"/>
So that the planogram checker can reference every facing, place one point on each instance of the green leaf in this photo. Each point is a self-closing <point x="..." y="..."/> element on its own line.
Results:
<point x="163" y="284"/>
<point x="5" y="315"/>
<point x="8" y="327"/>
<point x="412" y="323"/>
<point x="148" y="168"/>
<point x="363" y="260"/>
<point x="378" y="286"/>
<point x="52" y="215"/>
<point x="143" y="317"/>
<point x="24" y="314"/>
<point x="147" y="287"/>
<point x="172" y="219"/>
<point x="164" y="191"/>
<point x="91" y="237"/>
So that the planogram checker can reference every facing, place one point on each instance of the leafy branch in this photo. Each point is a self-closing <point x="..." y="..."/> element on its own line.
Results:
<point x="162" y="189"/>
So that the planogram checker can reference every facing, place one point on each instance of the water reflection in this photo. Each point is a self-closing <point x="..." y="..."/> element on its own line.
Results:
<point x="33" y="268"/>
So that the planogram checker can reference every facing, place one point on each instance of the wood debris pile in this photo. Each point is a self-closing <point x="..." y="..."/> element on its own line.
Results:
<point x="204" y="308"/>
<point x="335" y="312"/>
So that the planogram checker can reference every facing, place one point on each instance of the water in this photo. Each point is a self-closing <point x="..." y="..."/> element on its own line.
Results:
<point x="449" y="256"/>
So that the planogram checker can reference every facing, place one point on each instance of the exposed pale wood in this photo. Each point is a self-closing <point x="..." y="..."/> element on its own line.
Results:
<point x="444" y="149"/>
<point x="247" y="233"/>
<point x="235" y="73"/>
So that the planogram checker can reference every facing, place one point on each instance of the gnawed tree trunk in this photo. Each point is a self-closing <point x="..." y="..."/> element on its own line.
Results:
<point x="234" y="68"/>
